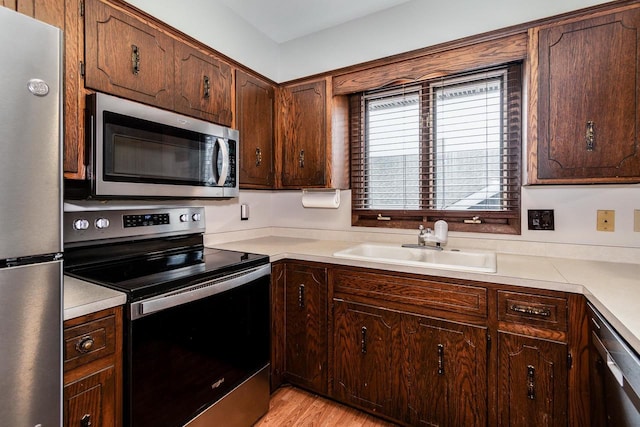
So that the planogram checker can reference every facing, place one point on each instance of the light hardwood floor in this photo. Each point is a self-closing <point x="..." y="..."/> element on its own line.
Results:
<point x="292" y="407"/>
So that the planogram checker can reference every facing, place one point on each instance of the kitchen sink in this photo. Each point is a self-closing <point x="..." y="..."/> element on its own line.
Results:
<point x="448" y="259"/>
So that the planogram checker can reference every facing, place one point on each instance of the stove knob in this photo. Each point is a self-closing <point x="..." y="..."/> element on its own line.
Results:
<point x="196" y="217"/>
<point x="184" y="218"/>
<point x="80" y="224"/>
<point x="102" y="223"/>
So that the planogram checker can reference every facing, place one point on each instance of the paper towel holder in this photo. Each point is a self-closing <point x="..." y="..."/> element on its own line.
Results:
<point x="327" y="198"/>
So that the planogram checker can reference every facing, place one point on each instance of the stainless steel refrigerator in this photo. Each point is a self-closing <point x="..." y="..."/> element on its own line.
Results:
<point x="30" y="222"/>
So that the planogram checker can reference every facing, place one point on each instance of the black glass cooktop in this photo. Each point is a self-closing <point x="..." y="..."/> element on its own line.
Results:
<point x="153" y="267"/>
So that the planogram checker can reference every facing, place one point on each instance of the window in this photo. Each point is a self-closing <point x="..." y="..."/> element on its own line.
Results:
<point x="442" y="149"/>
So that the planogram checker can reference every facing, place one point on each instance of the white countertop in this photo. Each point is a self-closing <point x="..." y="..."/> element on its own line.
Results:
<point x="81" y="298"/>
<point x="613" y="288"/>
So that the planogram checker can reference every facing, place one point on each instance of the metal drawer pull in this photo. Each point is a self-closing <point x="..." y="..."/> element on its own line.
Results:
<point x="591" y="135"/>
<point x="544" y="312"/>
<point x="440" y="359"/>
<point x="207" y="87"/>
<point x="531" y="386"/>
<point x="85" y="344"/>
<point x="135" y="59"/>
<point x="363" y="340"/>
<point x="301" y="296"/>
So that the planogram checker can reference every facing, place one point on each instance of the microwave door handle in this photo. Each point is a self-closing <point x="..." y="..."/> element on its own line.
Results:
<point x="225" y="162"/>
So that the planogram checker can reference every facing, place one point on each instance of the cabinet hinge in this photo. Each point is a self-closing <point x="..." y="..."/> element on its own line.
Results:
<point x="81" y="8"/>
<point x="488" y="343"/>
<point x="569" y="361"/>
<point x="82" y="70"/>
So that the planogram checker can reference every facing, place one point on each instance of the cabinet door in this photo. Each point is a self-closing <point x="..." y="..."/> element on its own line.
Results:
<point x="589" y="99"/>
<point x="90" y="401"/>
<point x="255" y="120"/>
<point x="126" y="57"/>
<point x="305" y="298"/>
<point x="367" y="372"/>
<point x="447" y="373"/>
<point x="203" y="85"/>
<point x="532" y="381"/>
<point x="304" y="135"/>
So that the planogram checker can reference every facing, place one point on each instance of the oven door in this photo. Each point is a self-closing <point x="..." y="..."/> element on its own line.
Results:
<point x="183" y="359"/>
<point x="143" y="151"/>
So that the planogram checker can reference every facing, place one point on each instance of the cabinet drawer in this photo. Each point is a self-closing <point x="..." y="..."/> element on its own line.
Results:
<point x="89" y="341"/>
<point x="535" y="310"/>
<point x="431" y="294"/>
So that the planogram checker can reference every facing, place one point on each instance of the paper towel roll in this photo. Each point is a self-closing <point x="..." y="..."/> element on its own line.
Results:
<point x="317" y="198"/>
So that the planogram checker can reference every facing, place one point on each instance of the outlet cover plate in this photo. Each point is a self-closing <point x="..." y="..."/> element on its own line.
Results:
<point x="541" y="219"/>
<point x="606" y="220"/>
<point x="636" y="220"/>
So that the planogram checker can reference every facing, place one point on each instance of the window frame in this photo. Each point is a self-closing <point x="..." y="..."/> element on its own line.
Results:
<point x="490" y="221"/>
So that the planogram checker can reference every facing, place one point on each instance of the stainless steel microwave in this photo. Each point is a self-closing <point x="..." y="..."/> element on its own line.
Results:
<point x="143" y="151"/>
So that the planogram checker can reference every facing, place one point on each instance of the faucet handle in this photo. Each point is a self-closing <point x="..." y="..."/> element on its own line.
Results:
<point x="421" y="227"/>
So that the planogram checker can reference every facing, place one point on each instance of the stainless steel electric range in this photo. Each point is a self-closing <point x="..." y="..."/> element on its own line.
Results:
<point x="197" y="330"/>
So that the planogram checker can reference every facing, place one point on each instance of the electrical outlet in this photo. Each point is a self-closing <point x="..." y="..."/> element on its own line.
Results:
<point x="606" y="220"/>
<point x="541" y="219"/>
<point x="636" y="220"/>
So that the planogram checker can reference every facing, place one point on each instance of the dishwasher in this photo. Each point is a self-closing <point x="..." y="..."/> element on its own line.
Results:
<point x="614" y="376"/>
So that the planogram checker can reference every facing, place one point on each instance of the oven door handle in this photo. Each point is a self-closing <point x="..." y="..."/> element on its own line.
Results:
<point x="198" y="291"/>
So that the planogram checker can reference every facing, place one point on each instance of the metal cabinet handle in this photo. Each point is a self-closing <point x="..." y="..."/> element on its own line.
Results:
<point x="135" y="59"/>
<point x="85" y="421"/>
<point x="301" y="296"/>
<point x="301" y="159"/>
<point x="85" y="344"/>
<point x="536" y="311"/>
<point x="440" y="359"/>
<point x="531" y="386"/>
<point x="207" y="87"/>
<point x="363" y="340"/>
<point x="258" y="156"/>
<point x="591" y="135"/>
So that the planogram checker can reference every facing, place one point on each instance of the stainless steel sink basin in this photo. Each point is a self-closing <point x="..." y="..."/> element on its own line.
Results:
<point x="448" y="259"/>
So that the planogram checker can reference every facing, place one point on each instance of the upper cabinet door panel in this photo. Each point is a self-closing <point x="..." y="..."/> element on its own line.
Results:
<point x="589" y="98"/>
<point x="304" y="135"/>
<point x="255" y="120"/>
<point x="203" y="85"/>
<point x="126" y="57"/>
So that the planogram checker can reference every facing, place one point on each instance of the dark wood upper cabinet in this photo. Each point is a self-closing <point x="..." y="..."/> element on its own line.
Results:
<point x="127" y="57"/>
<point x="203" y="85"/>
<point x="255" y="119"/>
<point x="303" y="136"/>
<point x="588" y="99"/>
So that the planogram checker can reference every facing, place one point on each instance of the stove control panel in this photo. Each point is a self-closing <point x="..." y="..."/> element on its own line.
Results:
<point x="82" y="227"/>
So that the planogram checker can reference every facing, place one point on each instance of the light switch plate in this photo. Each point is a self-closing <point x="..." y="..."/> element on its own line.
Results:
<point x="636" y="220"/>
<point x="606" y="220"/>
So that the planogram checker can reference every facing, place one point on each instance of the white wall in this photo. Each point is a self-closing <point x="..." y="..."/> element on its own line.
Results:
<point x="214" y="24"/>
<point x="411" y="25"/>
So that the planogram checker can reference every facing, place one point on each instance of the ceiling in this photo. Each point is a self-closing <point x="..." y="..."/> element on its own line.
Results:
<point x="284" y="20"/>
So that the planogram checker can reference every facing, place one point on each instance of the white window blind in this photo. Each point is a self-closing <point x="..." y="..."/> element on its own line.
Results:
<point x="438" y="147"/>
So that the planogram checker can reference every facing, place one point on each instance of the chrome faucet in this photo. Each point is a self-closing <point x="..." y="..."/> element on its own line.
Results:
<point x="426" y="240"/>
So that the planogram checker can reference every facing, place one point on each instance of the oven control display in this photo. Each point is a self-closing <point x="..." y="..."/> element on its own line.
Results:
<point x="144" y="220"/>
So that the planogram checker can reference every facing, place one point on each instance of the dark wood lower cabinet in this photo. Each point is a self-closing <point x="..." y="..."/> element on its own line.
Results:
<point x="532" y="383"/>
<point x="447" y="372"/>
<point x="366" y="355"/>
<point x="89" y="400"/>
<point x="400" y="346"/>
